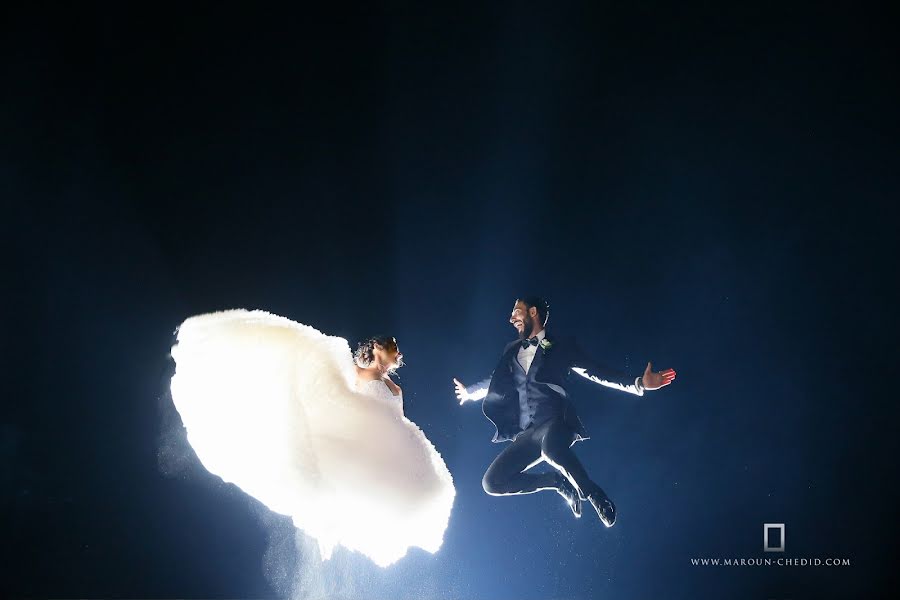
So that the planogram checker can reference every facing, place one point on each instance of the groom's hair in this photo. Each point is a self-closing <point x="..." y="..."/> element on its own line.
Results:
<point x="543" y="308"/>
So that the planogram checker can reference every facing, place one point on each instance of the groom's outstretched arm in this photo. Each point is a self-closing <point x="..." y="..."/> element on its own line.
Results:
<point x="588" y="368"/>
<point x="468" y="393"/>
<point x="471" y="393"/>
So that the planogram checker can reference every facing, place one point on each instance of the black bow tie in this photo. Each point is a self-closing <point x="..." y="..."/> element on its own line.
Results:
<point x="529" y="342"/>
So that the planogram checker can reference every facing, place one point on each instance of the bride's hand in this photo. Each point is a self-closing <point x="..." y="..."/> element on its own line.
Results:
<point x="460" y="390"/>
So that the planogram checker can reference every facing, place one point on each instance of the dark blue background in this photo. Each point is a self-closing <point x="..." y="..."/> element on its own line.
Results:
<point x="704" y="187"/>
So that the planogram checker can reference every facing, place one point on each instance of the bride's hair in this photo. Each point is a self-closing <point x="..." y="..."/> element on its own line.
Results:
<point x="365" y="350"/>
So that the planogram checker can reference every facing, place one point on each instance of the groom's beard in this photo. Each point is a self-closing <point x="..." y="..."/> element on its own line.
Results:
<point x="528" y="325"/>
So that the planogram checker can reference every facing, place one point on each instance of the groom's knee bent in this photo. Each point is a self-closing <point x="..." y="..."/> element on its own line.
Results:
<point x="491" y="485"/>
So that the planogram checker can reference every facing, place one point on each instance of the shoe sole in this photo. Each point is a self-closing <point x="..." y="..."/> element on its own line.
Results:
<point x="605" y="520"/>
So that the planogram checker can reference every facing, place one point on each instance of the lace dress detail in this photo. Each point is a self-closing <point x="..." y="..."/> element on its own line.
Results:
<point x="379" y="390"/>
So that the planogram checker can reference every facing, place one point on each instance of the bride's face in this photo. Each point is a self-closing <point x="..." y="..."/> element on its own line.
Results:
<point x="389" y="354"/>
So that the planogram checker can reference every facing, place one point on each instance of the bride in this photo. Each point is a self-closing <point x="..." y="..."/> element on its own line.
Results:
<point x="312" y="431"/>
<point x="376" y="359"/>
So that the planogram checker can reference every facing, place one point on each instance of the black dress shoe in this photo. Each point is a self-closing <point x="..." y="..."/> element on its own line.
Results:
<point x="570" y="495"/>
<point x="606" y="510"/>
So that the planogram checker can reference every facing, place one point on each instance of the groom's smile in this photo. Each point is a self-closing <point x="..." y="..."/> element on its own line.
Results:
<point x="520" y="319"/>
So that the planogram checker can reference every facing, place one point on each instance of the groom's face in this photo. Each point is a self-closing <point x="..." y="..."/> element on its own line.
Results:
<point x="522" y="319"/>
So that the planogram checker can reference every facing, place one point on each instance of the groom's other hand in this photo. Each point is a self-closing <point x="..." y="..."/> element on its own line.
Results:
<point x="460" y="390"/>
<point x="654" y="381"/>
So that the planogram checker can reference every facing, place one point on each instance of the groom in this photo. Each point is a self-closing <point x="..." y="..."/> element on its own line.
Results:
<point x="527" y="401"/>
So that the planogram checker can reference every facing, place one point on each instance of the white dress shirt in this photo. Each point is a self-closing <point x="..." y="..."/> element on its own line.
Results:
<point x="526" y="355"/>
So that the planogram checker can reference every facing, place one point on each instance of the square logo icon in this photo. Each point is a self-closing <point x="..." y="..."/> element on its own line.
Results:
<point x="768" y="542"/>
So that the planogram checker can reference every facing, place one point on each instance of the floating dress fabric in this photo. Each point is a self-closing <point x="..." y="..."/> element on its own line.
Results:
<point x="270" y="405"/>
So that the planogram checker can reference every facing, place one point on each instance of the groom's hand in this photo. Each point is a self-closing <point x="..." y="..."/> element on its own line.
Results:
<point x="460" y="390"/>
<point x="654" y="381"/>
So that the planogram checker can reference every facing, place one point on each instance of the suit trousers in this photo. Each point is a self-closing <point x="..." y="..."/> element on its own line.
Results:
<point x="550" y="441"/>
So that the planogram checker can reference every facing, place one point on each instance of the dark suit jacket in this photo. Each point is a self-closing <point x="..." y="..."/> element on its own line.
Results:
<point x="548" y="374"/>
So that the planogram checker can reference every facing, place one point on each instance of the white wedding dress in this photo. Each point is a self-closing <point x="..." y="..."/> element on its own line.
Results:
<point x="270" y="405"/>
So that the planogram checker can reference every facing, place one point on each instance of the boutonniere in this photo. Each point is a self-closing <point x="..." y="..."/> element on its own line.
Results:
<point x="546" y="344"/>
